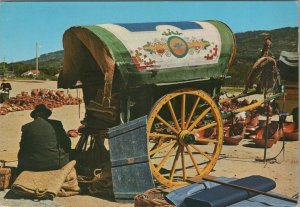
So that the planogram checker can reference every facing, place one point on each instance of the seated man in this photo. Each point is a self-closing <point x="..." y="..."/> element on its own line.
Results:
<point x="44" y="143"/>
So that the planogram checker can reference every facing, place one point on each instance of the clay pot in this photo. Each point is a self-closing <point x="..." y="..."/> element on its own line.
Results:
<point x="251" y="129"/>
<point x="23" y="93"/>
<point x="233" y="140"/>
<point x="253" y="121"/>
<point x="3" y="111"/>
<point x="290" y="131"/>
<point x="60" y="93"/>
<point x="245" y="102"/>
<point x="273" y="132"/>
<point x="252" y="136"/>
<point x="34" y="92"/>
<point x="72" y="133"/>
<point x="261" y="142"/>
<point x="234" y="134"/>
<point x="204" y="134"/>
<point x="51" y="93"/>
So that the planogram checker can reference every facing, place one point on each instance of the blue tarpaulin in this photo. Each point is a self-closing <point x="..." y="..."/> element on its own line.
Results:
<point x="177" y="197"/>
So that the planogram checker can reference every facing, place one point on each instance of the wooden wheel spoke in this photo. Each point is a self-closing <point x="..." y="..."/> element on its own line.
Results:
<point x="163" y="161"/>
<point x="152" y="152"/>
<point x="162" y="135"/>
<point x="212" y="124"/>
<point x="183" y="111"/>
<point x="173" y="116"/>
<point x="199" y="118"/>
<point x="192" y="112"/>
<point x="166" y="124"/>
<point x="208" y="140"/>
<point x="183" y="164"/>
<point x="193" y="160"/>
<point x="202" y="153"/>
<point x="175" y="163"/>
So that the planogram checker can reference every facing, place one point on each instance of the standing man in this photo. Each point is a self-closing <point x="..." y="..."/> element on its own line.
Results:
<point x="44" y="143"/>
<point x="5" y="87"/>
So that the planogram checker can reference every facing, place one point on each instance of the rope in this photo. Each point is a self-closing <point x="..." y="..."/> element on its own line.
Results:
<point x="40" y="193"/>
<point x="296" y="196"/>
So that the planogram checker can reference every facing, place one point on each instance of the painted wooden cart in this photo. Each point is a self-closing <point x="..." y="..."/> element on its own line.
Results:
<point x="170" y="71"/>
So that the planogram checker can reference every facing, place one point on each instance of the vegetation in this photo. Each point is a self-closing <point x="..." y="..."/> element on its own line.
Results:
<point x="249" y="45"/>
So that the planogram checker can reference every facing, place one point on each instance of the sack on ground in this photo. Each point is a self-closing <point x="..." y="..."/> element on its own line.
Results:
<point x="47" y="184"/>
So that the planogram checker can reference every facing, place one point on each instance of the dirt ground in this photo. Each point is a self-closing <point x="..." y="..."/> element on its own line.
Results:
<point x="235" y="161"/>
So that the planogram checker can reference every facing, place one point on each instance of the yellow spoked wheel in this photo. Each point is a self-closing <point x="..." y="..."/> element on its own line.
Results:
<point x="185" y="136"/>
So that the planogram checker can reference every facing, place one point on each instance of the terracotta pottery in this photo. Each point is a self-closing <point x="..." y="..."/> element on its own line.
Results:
<point x="261" y="142"/>
<point x="273" y="131"/>
<point x="290" y="131"/>
<point x="34" y="92"/>
<point x="253" y="121"/>
<point x="235" y="134"/>
<point x="252" y="136"/>
<point x="233" y="140"/>
<point x="72" y="133"/>
<point x="204" y="134"/>
<point x="273" y="135"/>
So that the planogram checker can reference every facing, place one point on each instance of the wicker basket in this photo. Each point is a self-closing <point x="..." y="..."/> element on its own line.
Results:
<point x="150" y="198"/>
<point x="5" y="174"/>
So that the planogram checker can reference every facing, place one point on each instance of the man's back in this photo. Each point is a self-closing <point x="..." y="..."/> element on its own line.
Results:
<point x="44" y="145"/>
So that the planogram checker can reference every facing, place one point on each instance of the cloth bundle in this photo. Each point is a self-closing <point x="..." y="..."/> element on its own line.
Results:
<point x="48" y="184"/>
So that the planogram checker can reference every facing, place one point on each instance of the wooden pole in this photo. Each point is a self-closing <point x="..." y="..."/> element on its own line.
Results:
<point x="37" y="58"/>
<point x="251" y="190"/>
<point x="266" y="135"/>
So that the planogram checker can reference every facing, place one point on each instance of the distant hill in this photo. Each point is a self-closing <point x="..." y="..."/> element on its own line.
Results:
<point x="249" y="45"/>
<point x="52" y="59"/>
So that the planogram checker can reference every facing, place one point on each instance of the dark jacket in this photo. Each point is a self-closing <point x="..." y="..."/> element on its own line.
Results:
<point x="44" y="146"/>
<point x="5" y="87"/>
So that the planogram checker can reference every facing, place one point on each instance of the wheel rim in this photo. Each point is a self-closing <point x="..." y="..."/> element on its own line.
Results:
<point x="175" y="128"/>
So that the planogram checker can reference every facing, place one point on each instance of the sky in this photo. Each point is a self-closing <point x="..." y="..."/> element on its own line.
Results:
<point x="24" y="24"/>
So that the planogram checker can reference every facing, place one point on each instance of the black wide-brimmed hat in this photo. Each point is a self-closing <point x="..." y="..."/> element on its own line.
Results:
<point x="41" y="108"/>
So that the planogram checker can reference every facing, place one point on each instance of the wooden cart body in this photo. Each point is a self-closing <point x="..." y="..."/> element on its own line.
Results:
<point x="168" y="71"/>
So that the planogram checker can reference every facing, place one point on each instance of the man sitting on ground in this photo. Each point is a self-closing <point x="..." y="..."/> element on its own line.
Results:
<point x="44" y="143"/>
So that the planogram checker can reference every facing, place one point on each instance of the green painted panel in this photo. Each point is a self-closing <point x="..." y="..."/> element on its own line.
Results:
<point x="132" y="77"/>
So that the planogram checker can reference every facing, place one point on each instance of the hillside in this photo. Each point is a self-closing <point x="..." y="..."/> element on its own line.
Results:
<point x="49" y="63"/>
<point x="249" y="45"/>
<point x="52" y="58"/>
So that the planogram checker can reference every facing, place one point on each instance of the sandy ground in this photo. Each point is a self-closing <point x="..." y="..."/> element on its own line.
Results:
<point x="235" y="161"/>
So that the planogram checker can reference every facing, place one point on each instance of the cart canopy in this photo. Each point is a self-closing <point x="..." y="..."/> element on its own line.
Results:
<point x="288" y="66"/>
<point x="146" y="53"/>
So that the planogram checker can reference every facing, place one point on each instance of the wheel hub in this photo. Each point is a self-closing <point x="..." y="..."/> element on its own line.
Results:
<point x="186" y="138"/>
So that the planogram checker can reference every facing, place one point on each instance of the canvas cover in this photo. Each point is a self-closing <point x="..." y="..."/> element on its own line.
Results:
<point x="289" y="58"/>
<point x="288" y="66"/>
<point x="147" y="53"/>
